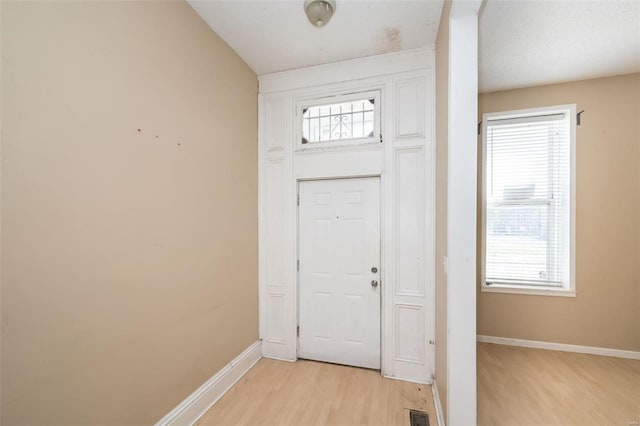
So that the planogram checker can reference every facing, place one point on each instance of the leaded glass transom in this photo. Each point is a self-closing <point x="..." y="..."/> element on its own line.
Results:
<point x="341" y="121"/>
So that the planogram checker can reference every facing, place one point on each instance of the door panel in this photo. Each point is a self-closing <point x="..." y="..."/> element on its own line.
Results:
<point x="339" y="314"/>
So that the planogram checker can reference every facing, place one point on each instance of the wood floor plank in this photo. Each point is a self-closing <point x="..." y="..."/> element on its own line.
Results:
<point x="314" y="393"/>
<point x="523" y="386"/>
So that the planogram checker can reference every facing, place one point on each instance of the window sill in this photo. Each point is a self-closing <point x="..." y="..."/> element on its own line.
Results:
<point x="528" y="290"/>
<point x="339" y="146"/>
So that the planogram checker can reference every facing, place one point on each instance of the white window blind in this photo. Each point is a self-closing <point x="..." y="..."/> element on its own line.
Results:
<point x="527" y="194"/>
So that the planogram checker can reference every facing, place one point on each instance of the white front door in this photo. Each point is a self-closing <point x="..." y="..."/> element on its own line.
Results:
<point x="339" y="274"/>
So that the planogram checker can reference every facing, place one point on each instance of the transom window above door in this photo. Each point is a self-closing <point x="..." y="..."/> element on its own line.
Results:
<point x="340" y="120"/>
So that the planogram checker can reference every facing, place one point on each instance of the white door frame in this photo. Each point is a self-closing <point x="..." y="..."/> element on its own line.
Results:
<point x="405" y="164"/>
<point x="380" y="265"/>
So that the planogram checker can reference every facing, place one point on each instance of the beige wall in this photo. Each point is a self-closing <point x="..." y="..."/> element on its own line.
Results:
<point x="606" y="311"/>
<point x="129" y="212"/>
<point x="442" y="143"/>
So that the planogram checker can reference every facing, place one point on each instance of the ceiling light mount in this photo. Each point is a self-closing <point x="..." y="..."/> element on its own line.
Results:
<point x="319" y="12"/>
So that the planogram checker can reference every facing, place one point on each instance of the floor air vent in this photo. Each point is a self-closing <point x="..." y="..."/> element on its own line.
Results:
<point x="418" y="418"/>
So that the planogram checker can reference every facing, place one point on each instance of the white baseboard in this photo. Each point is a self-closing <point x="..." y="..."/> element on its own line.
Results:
<point x="196" y="404"/>
<point x="277" y="358"/>
<point x="437" y="403"/>
<point x="592" y="350"/>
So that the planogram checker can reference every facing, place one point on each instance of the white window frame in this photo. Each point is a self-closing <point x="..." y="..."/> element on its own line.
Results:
<point x="336" y="99"/>
<point x="568" y="288"/>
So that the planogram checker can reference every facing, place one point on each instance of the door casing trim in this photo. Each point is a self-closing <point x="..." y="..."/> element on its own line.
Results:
<point x="405" y="157"/>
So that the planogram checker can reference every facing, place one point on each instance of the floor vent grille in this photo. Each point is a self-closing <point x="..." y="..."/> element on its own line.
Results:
<point x="418" y="418"/>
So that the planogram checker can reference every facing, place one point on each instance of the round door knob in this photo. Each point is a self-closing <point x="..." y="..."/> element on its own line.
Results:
<point x="374" y="283"/>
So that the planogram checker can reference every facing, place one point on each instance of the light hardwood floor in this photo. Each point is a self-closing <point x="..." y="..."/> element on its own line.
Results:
<point x="522" y="386"/>
<point x="313" y="393"/>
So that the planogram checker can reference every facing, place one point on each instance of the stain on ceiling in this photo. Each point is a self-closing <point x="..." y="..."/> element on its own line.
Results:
<point x="273" y="36"/>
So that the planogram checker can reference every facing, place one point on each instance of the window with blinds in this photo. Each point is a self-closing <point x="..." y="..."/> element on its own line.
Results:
<point x="527" y="198"/>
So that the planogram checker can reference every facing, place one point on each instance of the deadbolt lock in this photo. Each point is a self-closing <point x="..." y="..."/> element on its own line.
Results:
<point x="374" y="269"/>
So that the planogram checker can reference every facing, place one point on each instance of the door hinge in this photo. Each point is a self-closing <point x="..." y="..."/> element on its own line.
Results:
<point x="298" y="265"/>
<point x="380" y="137"/>
<point x="298" y="200"/>
<point x="298" y="331"/>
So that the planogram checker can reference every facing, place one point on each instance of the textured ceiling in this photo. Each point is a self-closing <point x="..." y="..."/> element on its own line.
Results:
<point x="522" y="42"/>
<point x="528" y="43"/>
<point x="275" y="35"/>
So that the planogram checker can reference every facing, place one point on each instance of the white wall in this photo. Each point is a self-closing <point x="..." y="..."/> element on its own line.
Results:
<point x="461" y="218"/>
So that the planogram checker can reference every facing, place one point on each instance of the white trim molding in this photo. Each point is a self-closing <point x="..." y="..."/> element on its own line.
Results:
<point x="404" y="159"/>
<point x="348" y="71"/>
<point x="563" y="347"/>
<point x="437" y="403"/>
<point x="529" y="290"/>
<point x="461" y="213"/>
<point x="195" y="405"/>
